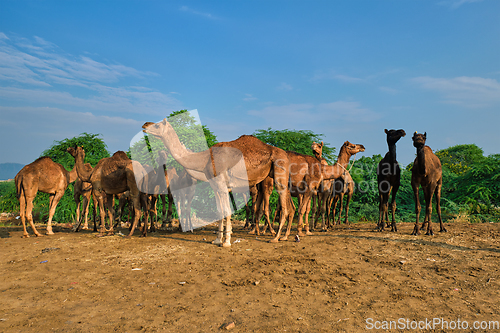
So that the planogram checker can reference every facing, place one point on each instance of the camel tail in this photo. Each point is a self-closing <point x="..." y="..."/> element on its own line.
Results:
<point x="19" y="187"/>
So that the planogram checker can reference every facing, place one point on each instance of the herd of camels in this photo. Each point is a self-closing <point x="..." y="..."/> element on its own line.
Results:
<point x="309" y="178"/>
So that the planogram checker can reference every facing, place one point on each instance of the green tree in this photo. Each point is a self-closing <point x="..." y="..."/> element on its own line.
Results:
<point x="94" y="146"/>
<point x="196" y="137"/>
<point x="460" y="158"/>
<point x="299" y="141"/>
<point x="95" y="149"/>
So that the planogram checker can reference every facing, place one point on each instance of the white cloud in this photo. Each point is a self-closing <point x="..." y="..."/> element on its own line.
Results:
<point x="42" y="73"/>
<point x="36" y="128"/>
<point x="195" y="12"/>
<point x="454" y="4"/>
<point x="249" y="98"/>
<point x="310" y="116"/>
<point x="284" y="86"/>
<point x="464" y="90"/>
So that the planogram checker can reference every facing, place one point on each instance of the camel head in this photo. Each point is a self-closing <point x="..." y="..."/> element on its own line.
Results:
<point x="317" y="149"/>
<point x="394" y="135"/>
<point x="156" y="129"/>
<point x="352" y="148"/>
<point x="419" y="140"/>
<point x="77" y="151"/>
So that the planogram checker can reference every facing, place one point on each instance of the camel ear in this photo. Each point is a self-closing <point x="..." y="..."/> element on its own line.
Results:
<point x="425" y="135"/>
<point x="71" y="150"/>
<point x="321" y="144"/>
<point x="386" y="131"/>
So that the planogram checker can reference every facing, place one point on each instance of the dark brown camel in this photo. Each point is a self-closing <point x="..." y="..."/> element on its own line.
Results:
<point x="427" y="172"/>
<point x="388" y="179"/>
<point x="46" y="176"/>
<point x="112" y="175"/>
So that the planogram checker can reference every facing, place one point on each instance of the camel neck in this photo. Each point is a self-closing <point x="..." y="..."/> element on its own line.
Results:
<point x="81" y="171"/>
<point x="421" y="159"/>
<point x="392" y="153"/>
<point x="344" y="157"/>
<point x="73" y="174"/>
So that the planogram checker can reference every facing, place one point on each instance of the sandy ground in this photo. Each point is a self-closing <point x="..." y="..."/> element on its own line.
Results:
<point x="350" y="279"/>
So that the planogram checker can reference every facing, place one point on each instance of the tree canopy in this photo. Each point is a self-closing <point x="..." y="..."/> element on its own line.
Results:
<point x="94" y="146"/>
<point x="299" y="141"/>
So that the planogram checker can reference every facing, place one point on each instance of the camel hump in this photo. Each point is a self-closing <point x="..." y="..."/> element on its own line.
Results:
<point x="121" y="159"/>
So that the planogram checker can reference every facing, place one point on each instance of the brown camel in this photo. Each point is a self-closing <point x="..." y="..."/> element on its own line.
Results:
<point x="113" y="175"/>
<point x="221" y="167"/>
<point x="46" y="176"/>
<point x="335" y="190"/>
<point x="81" y="193"/>
<point x="182" y="187"/>
<point x="427" y="172"/>
<point x="389" y="179"/>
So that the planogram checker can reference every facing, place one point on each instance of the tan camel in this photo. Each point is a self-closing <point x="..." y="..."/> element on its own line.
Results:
<point x="46" y="176"/>
<point x="389" y="179"/>
<point x="82" y="192"/>
<point x="427" y="172"/>
<point x="344" y="186"/>
<point x="307" y="174"/>
<point x="334" y="190"/>
<point x="112" y="175"/>
<point x="214" y="165"/>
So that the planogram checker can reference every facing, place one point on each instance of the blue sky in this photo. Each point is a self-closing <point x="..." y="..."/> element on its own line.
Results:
<point x="345" y="69"/>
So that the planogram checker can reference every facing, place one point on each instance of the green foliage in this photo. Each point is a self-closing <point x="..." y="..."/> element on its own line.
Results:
<point x="460" y="158"/>
<point x="196" y="137"/>
<point x="95" y="150"/>
<point x="299" y="141"/>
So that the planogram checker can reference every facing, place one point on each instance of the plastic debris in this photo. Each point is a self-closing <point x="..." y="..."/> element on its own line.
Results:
<point x="44" y="261"/>
<point x="137" y="269"/>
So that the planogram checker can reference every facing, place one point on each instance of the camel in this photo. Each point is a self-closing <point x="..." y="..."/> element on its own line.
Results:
<point x="81" y="193"/>
<point x="335" y="190"/>
<point x="46" y="176"/>
<point x="220" y="166"/>
<point x="388" y="179"/>
<point x="179" y="185"/>
<point x="427" y="172"/>
<point x="113" y="175"/>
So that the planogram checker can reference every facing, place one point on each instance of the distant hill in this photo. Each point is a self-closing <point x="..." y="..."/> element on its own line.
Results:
<point x="9" y="170"/>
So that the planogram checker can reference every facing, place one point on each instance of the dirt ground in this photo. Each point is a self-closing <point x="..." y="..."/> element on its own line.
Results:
<point x="350" y="279"/>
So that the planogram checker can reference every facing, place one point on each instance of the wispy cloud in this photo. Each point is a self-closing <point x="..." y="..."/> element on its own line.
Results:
<point x="285" y="86"/>
<point x="249" y="98"/>
<point x="333" y="75"/>
<point x="309" y="115"/>
<point x="454" y="4"/>
<point x="37" y="71"/>
<point x="47" y="124"/>
<point x="464" y="90"/>
<point x="195" y="12"/>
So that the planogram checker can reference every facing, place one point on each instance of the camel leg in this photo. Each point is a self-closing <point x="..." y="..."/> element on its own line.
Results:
<point x="349" y="196"/>
<point x="341" y="199"/>
<point x="429" y="192"/>
<point x="102" y="213"/>
<point x="281" y="185"/>
<point x="438" y="208"/>
<point x="86" y="206"/>
<point x="306" y="221"/>
<point x="393" y="208"/>
<point x="53" y="204"/>
<point x="417" y="208"/>
<point x="136" y="206"/>
<point x="110" y="205"/>
<point x="257" y="199"/>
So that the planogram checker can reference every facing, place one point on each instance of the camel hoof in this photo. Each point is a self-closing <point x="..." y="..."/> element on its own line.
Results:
<point x="284" y="238"/>
<point x="48" y="233"/>
<point x="443" y="230"/>
<point x="274" y="240"/>
<point x="226" y="245"/>
<point x="25" y="236"/>
<point x="308" y="233"/>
